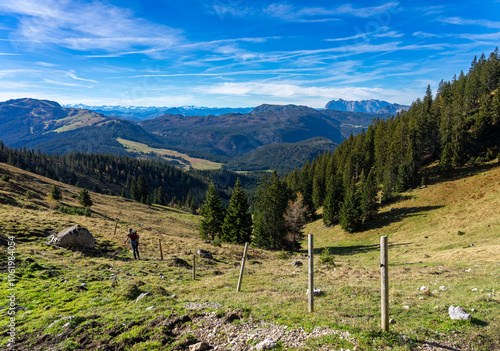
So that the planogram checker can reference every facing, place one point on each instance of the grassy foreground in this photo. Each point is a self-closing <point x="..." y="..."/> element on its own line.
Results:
<point x="445" y="237"/>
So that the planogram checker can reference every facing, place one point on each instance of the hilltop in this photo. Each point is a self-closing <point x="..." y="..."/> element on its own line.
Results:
<point x="430" y="234"/>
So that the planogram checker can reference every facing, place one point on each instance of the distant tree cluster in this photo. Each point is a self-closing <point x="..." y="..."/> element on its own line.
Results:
<point x="279" y="216"/>
<point x="232" y="225"/>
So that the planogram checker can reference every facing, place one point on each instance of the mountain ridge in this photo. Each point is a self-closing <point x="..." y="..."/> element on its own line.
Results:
<point x="367" y="106"/>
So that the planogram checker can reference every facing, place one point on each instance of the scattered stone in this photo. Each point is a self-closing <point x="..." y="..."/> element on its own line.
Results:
<point x="316" y="292"/>
<point x="473" y="310"/>
<point x="204" y="253"/>
<point x="406" y="307"/>
<point x="442" y="288"/>
<point x="475" y="289"/>
<point x="150" y="308"/>
<point x="143" y="295"/>
<point x="423" y="288"/>
<point x="471" y="245"/>
<point x="468" y="270"/>
<point x="267" y="344"/>
<point x="421" y="298"/>
<point x="74" y="237"/>
<point x="392" y="321"/>
<point x="297" y="264"/>
<point x="458" y="313"/>
<point x="59" y="320"/>
<point x="426" y="256"/>
<point x="201" y="346"/>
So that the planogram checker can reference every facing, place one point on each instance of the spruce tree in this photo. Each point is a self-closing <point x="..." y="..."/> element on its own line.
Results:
<point x="142" y="189"/>
<point x="213" y="215"/>
<point x="333" y="197"/>
<point x="368" y="197"/>
<point x="271" y="201"/>
<point x="84" y="198"/>
<point x="56" y="193"/>
<point x="237" y="226"/>
<point x="350" y="212"/>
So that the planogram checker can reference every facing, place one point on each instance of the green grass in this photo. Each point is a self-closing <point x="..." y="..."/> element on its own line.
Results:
<point x="423" y="251"/>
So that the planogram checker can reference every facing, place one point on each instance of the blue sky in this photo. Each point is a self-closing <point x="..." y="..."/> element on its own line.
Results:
<point x="237" y="52"/>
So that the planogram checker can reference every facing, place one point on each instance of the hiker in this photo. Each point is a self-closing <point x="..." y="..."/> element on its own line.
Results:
<point x="133" y="237"/>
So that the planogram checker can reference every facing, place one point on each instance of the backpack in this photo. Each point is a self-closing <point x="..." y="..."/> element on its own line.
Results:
<point x="133" y="236"/>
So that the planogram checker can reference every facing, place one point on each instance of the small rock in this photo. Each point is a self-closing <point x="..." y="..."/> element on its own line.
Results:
<point x="468" y="270"/>
<point x="392" y="321"/>
<point x="473" y="310"/>
<point x="150" y="308"/>
<point x="421" y="298"/>
<point x="204" y="253"/>
<point x="201" y="346"/>
<point x="316" y="292"/>
<point x="267" y="344"/>
<point x="458" y="313"/>
<point x="471" y="244"/>
<point x="143" y="295"/>
<point x="297" y="264"/>
<point x="442" y="288"/>
<point x="475" y="289"/>
<point x="406" y="307"/>
<point x="423" y="288"/>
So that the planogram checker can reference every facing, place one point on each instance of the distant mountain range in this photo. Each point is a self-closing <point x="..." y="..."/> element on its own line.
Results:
<point x="367" y="106"/>
<point x="269" y="136"/>
<point x="140" y="113"/>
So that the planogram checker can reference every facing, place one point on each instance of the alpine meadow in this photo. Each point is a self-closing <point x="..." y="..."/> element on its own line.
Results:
<point x="236" y="175"/>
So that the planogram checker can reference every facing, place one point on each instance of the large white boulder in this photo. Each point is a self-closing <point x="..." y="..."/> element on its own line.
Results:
<point x="74" y="237"/>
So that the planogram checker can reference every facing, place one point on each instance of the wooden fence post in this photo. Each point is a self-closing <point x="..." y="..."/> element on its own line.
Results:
<point x="161" y="251"/>
<point x="242" y="267"/>
<point x="194" y="266"/>
<point x="311" y="273"/>
<point x="116" y="225"/>
<point x="384" y="279"/>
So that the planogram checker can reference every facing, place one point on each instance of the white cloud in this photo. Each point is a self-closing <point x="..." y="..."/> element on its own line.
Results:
<point x="365" y="12"/>
<point x="294" y="92"/>
<point x="470" y="22"/>
<point x="86" y="26"/>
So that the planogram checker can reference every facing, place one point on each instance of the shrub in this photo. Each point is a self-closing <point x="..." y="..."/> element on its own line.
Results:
<point x="74" y="211"/>
<point x="283" y="255"/>
<point x="325" y="257"/>
<point x="6" y="177"/>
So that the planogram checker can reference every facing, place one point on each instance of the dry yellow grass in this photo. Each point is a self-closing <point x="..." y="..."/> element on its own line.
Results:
<point x="426" y="222"/>
<point x="186" y="160"/>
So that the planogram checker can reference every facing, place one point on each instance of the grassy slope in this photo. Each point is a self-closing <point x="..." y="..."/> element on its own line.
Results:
<point x="187" y="161"/>
<point x="272" y="289"/>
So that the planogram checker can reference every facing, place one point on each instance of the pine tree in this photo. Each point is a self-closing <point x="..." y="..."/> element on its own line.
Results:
<point x="270" y="202"/>
<point x="333" y="197"/>
<point x="56" y="193"/>
<point x="142" y="189"/>
<point x="123" y="194"/>
<point x="350" y="212"/>
<point x="213" y="215"/>
<point x="84" y="198"/>
<point x="237" y="226"/>
<point x="369" y="191"/>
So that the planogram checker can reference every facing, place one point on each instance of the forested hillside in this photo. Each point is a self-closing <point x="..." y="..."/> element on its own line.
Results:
<point x="459" y="126"/>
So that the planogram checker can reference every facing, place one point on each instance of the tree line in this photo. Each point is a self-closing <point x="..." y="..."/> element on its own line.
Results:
<point x="141" y="180"/>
